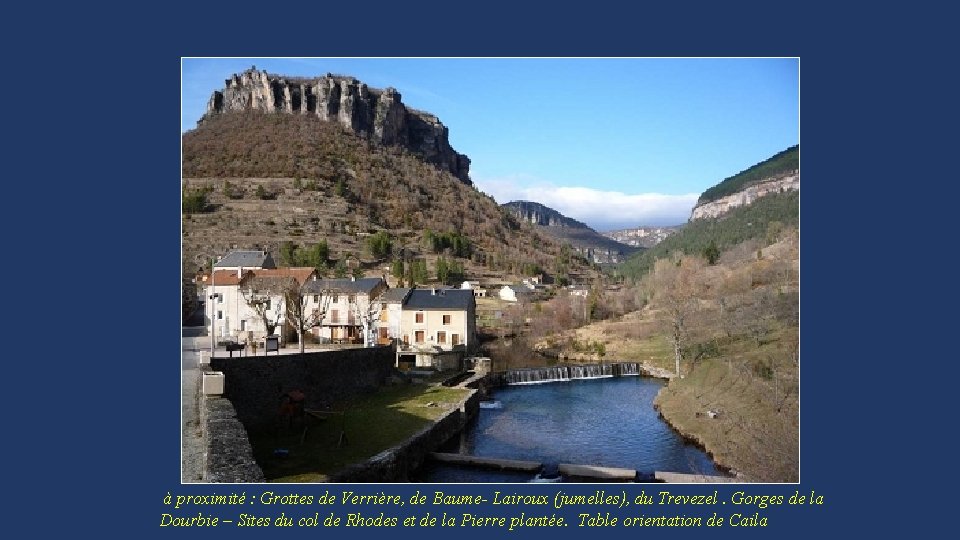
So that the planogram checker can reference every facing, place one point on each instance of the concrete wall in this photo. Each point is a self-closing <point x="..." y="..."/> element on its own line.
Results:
<point x="396" y="464"/>
<point x="255" y="385"/>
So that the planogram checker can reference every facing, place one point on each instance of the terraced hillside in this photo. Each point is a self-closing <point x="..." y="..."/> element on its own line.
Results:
<point x="254" y="179"/>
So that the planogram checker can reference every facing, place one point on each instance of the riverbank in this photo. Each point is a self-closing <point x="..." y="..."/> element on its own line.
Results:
<point x="741" y="408"/>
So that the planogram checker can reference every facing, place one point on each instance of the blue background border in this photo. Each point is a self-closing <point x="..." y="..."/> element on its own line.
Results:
<point x="114" y="448"/>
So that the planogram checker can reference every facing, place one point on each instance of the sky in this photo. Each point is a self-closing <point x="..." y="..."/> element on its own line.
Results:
<point x="612" y="142"/>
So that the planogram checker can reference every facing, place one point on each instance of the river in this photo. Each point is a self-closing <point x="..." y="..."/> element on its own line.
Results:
<point x="606" y="421"/>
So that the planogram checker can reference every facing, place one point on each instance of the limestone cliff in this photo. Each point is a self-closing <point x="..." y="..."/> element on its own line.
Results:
<point x="369" y="112"/>
<point x="788" y="181"/>
<point x="645" y="237"/>
<point x="585" y="241"/>
<point x="539" y="214"/>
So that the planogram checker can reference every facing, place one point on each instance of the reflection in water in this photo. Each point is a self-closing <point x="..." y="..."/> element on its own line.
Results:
<point x="608" y="422"/>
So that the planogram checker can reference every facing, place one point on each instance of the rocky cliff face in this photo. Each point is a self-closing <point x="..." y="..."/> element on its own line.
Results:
<point x="645" y="237"/>
<point x="789" y="181"/>
<point x="369" y="112"/>
<point x="539" y="214"/>
<point x="585" y="241"/>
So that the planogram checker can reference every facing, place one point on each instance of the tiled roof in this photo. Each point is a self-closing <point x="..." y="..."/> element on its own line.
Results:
<point x="223" y="278"/>
<point x="246" y="259"/>
<point x="346" y="286"/>
<point x="229" y="277"/>
<point x="458" y="299"/>
<point x="396" y="295"/>
<point x="300" y="273"/>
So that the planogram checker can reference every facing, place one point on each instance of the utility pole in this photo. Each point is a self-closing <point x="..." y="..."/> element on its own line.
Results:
<point x="213" y="307"/>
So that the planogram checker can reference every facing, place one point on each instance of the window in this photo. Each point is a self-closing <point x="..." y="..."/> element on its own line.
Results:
<point x="418" y="336"/>
<point x="419" y="318"/>
<point x="219" y="315"/>
<point x="316" y="299"/>
<point x="336" y="298"/>
<point x="219" y="298"/>
<point x="383" y="332"/>
<point x="352" y="299"/>
<point x="442" y="337"/>
<point x="446" y="319"/>
<point x="334" y="316"/>
<point x="268" y="304"/>
<point x="406" y="339"/>
<point x="455" y="340"/>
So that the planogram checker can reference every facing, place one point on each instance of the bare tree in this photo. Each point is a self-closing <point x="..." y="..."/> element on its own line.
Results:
<point x="676" y="288"/>
<point x="303" y="315"/>
<point x="260" y="295"/>
<point x="367" y="317"/>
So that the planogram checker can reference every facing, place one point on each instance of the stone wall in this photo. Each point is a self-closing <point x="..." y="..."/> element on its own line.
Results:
<point x="396" y="464"/>
<point x="255" y="385"/>
<point x="228" y="456"/>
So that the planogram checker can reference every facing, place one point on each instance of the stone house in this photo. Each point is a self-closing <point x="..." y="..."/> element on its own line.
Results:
<point x="438" y="328"/>
<point x="350" y="305"/>
<point x="391" y="311"/>
<point x="231" y="296"/>
<point x="516" y="293"/>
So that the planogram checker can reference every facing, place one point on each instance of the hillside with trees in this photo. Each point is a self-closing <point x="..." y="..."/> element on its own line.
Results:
<point x="787" y="160"/>
<point x="293" y="182"/>
<point x="762" y="220"/>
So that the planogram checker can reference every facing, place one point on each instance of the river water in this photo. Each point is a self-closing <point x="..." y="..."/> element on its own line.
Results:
<point x="603" y="421"/>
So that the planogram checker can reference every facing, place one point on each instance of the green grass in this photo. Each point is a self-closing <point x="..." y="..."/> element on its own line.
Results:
<point x="654" y="351"/>
<point x="372" y="424"/>
<point x="757" y="432"/>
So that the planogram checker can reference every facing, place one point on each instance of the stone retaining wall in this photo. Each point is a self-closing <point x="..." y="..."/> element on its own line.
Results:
<point x="228" y="456"/>
<point x="255" y="385"/>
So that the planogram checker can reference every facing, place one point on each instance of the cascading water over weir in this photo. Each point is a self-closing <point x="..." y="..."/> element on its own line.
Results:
<point x="564" y="373"/>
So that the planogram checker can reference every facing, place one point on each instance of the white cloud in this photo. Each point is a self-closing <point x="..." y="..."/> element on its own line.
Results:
<point x="602" y="210"/>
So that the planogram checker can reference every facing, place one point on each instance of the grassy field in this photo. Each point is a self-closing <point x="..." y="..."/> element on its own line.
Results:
<point x="371" y="424"/>
<point x="755" y="391"/>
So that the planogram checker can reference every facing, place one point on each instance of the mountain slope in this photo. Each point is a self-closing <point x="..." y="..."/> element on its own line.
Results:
<point x="779" y="173"/>
<point x="269" y="178"/>
<point x="756" y="203"/>
<point x="586" y="241"/>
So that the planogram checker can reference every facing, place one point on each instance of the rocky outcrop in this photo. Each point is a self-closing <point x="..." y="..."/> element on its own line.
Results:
<point x="538" y="214"/>
<point x="587" y="242"/>
<point x="789" y="181"/>
<point x="376" y="114"/>
<point x="645" y="237"/>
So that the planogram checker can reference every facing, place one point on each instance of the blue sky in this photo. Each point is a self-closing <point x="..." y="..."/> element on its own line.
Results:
<point x="612" y="142"/>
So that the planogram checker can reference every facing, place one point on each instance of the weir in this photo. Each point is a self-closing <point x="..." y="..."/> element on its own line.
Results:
<point x="594" y="472"/>
<point x="563" y="373"/>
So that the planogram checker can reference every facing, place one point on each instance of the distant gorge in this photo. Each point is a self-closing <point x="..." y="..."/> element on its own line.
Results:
<point x="378" y="115"/>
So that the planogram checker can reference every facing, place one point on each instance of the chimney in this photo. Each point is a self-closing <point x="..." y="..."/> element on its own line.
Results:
<point x="239" y="272"/>
<point x="433" y="292"/>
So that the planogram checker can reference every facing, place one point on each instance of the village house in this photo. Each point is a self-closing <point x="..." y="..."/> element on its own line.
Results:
<point x="479" y="291"/>
<point x="391" y="311"/>
<point x="516" y="292"/>
<point x="438" y="328"/>
<point x="233" y="296"/>
<point x="350" y="306"/>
